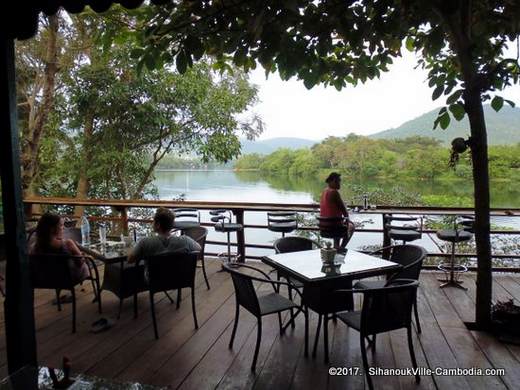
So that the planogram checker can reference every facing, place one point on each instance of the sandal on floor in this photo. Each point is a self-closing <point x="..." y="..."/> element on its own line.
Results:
<point x="101" y="325"/>
<point x="63" y="299"/>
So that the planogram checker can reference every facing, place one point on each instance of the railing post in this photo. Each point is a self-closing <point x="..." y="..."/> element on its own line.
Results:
<point x="124" y="220"/>
<point x="386" y="237"/>
<point x="241" y="246"/>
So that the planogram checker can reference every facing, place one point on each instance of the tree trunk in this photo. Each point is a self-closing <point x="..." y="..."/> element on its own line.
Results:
<point x="31" y="147"/>
<point x="479" y="157"/>
<point x="83" y="179"/>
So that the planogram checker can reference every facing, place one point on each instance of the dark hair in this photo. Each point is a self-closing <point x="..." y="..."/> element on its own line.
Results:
<point x="332" y="177"/>
<point x="46" y="227"/>
<point x="164" y="218"/>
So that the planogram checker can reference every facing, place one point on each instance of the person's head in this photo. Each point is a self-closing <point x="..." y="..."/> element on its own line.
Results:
<point x="163" y="220"/>
<point x="334" y="180"/>
<point x="49" y="226"/>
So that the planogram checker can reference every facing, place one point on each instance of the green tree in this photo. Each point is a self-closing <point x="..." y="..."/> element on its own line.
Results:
<point x="462" y="44"/>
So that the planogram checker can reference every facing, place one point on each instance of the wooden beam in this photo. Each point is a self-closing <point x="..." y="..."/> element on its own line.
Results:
<point x="19" y="314"/>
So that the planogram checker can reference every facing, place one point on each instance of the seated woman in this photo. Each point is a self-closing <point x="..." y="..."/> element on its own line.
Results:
<point x="332" y="206"/>
<point x="49" y="239"/>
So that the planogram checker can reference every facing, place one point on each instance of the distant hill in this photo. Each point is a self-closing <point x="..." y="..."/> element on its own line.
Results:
<point x="268" y="146"/>
<point x="503" y="127"/>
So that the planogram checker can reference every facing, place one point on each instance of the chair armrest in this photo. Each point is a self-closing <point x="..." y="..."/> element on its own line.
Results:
<point x="394" y="284"/>
<point x="267" y="279"/>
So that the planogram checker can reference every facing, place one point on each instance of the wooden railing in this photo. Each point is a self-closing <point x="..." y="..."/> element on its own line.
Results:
<point x="239" y="208"/>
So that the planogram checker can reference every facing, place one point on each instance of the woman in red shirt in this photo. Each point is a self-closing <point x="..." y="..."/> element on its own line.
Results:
<point x="332" y="206"/>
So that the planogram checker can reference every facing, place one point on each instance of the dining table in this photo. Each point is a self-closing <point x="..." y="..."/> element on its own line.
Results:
<point x="320" y="280"/>
<point x="120" y="277"/>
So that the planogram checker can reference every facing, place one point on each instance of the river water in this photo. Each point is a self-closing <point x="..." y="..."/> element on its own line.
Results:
<point x="228" y="185"/>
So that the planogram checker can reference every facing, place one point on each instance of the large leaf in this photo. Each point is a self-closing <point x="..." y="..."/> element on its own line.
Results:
<point x="457" y="111"/>
<point x="497" y="103"/>
<point x="437" y="92"/>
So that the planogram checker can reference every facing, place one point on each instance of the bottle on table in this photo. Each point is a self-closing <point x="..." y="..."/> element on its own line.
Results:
<point x="365" y="201"/>
<point x="103" y="233"/>
<point x="85" y="231"/>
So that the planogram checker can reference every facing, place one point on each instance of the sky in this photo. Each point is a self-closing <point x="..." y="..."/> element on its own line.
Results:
<point x="288" y="109"/>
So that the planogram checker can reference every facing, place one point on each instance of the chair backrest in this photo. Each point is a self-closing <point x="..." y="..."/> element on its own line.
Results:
<point x="170" y="271"/>
<point x="51" y="271"/>
<point x="245" y="291"/>
<point x="411" y="258"/>
<point x="198" y="234"/>
<point x="388" y="308"/>
<point x="186" y="213"/>
<point x="293" y="244"/>
<point x="281" y="217"/>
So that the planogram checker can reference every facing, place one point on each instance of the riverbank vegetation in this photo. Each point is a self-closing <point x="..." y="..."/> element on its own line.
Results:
<point x="361" y="157"/>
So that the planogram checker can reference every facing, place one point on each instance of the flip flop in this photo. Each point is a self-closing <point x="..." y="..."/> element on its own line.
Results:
<point x="101" y="325"/>
<point x="63" y="299"/>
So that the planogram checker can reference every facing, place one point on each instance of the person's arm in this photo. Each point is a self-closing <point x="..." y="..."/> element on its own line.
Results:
<point x="336" y="198"/>
<point x="192" y="245"/>
<point x="136" y="252"/>
<point x="71" y="247"/>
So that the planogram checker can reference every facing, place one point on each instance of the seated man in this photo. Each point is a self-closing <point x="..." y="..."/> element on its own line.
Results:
<point x="163" y="242"/>
<point x="332" y="206"/>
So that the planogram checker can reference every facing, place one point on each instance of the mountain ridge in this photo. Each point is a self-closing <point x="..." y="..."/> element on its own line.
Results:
<point x="269" y="145"/>
<point x="503" y="127"/>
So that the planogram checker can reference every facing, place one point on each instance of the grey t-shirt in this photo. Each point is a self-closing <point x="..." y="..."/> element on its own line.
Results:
<point x="157" y="245"/>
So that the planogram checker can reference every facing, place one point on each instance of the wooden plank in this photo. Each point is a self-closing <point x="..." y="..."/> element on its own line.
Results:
<point x="309" y="373"/>
<point x="439" y="303"/>
<point x="436" y="349"/>
<point x="500" y="357"/>
<point x="239" y="375"/>
<point x="468" y="355"/>
<point x="399" y="343"/>
<point x="177" y="367"/>
<point x="510" y="285"/>
<point x="91" y="349"/>
<point x="136" y="357"/>
<point x="278" y="370"/>
<point x="213" y="366"/>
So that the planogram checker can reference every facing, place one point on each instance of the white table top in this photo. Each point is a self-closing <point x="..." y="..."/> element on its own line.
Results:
<point x="307" y="265"/>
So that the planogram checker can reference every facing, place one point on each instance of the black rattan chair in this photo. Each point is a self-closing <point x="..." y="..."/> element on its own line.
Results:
<point x="54" y="272"/>
<point x="271" y="303"/>
<point x="124" y="280"/>
<point x="384" y="309"/>
<point x="411" y="257"/>
<point x="171" y="271"/>
<point x="199" y="234"/>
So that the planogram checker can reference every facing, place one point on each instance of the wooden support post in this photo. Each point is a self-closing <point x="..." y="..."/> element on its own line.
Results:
<point x="241" y="242"/>
<point x="386" y="238"/>
<point x="18" y="304"/>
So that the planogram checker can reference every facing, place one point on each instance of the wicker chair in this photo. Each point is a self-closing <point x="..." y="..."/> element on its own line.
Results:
<point x="199" y="234"/>
<point x="384" y="309"/>
<point x="411" y="258"/>
<point x="272" y="303"/>
<point x="171" y="271"/>
<point x="53" y="272"/>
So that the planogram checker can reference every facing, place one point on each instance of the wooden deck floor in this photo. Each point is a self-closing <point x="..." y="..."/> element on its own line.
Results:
<point x="188" y="359"/>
